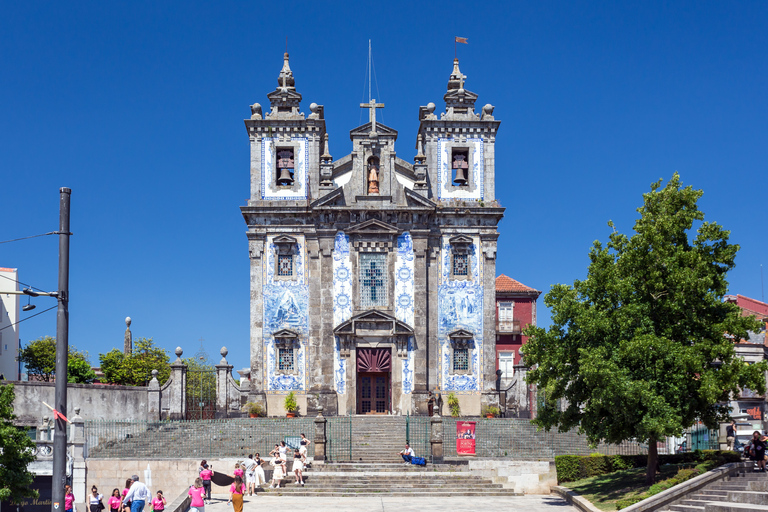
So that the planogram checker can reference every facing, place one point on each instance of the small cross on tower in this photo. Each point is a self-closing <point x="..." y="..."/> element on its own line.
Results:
<point x="372" y="106"/>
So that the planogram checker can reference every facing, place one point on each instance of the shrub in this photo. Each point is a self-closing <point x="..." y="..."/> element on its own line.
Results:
<point x="453" y="405"/>
<point x="567" y="467"/>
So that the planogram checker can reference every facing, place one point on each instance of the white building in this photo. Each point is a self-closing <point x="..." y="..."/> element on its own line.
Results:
<point x="9" y="319"/>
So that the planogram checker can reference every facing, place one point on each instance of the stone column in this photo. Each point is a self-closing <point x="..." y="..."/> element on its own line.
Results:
<point x="436" y="438"/>
<point x="153" y="398"/>
<point x="178" y="389"/>
<point x="256" y="251"/>
<point x="223" y="370"/>
<point x="320" y="423"/>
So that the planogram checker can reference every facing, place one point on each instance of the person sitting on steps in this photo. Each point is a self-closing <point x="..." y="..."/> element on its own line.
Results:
<point x="407" y="454"/>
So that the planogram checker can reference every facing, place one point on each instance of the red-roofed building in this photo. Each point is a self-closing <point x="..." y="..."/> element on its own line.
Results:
<point x="752" y="349"/>
<point x="515" y="309"/>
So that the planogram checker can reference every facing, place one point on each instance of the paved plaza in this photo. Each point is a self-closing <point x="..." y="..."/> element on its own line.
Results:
<point x="530" y="503"/>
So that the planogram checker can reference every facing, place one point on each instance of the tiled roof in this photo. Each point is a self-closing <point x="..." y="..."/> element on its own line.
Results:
<point x="507" y="284"/>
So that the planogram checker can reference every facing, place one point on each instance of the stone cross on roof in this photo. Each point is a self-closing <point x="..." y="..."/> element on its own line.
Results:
<point x="372" y="116"/>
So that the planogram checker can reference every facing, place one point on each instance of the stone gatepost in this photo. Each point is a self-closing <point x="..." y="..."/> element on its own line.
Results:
<point x="223" y="371"/>
<point x="78" y="452"/>
<point x="153" y="398"/>
<point x="436" y="438"/>
<point x="177" y="399"/>
<point x="320" y="423"/>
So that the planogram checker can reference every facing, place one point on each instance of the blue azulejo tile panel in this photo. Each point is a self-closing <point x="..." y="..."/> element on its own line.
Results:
<point x="460" y="306"/>
<point x="342" y="302"/>
<point x="408" y="369"/>
<point x="285" y="306"/>
<point x="269" y="188"/>
<point x="445" y="190"/>
<point x="404" y="300"/>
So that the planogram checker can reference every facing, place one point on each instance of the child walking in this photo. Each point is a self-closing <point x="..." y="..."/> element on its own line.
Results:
<point x="206" y="475"/>
<point x="197" y="492"/>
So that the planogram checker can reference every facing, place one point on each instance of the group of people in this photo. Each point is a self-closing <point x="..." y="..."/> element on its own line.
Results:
<point x="248" y="474"/>
<point x="133" y="498"/>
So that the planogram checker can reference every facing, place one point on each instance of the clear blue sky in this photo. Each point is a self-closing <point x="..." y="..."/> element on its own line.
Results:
<point x="139" y="108"/>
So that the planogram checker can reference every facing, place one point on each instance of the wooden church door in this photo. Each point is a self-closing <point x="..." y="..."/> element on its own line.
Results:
<point x="374" y="366"/>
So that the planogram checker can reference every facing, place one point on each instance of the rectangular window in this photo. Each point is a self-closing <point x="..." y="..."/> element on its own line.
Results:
<point x="505" y="311"/>
<point x="461" y="264"/>
<point x="460" y="359"/>
<point x="285" y="265"/>
<point x="285" y="359"/>
<point x="373" y="279"/>
<point x="506" y="364"/>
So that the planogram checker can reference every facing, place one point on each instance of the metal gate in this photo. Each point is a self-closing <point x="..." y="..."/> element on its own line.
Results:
<point x="339" y="438"/>
<point x="201" y="394"/>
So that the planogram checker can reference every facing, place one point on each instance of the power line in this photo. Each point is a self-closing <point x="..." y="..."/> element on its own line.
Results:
<point x="28" y="237"/>
<point x="31" y="316"/>
<point x="19" y="282"/>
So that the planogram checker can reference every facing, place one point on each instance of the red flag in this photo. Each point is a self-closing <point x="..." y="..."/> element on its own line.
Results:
<point x="56" y="414"/>
<point x="461" y="40"/>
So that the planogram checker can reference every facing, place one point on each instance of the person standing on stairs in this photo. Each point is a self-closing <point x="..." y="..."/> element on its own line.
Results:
<point x="277" y="473"/>
<point x="407" y="454"/>
<point x="757" y="450"/>
<point x="259" y="471"/>
<point x="298" y="468"/>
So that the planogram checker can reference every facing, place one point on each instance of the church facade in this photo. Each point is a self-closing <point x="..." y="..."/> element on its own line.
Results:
<point x="372" y="279"/>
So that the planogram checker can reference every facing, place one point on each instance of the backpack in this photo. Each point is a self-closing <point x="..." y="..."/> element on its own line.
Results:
<point x="419" y="461"/>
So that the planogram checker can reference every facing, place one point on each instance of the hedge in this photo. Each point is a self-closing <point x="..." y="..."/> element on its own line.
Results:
<point x="575" y="467"/>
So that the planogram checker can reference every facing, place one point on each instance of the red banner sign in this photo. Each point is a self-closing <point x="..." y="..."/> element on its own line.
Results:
<point x="465" y="437"/>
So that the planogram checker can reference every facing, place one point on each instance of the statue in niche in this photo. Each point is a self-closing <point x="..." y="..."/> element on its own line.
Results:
<point x="373" y="175"/>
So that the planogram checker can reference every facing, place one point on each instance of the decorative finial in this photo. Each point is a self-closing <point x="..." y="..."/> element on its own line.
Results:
<point x="456" y="81"/>
<point x="285" y="79"/>
<point x="128" y="321"/>
<point x="256" y="111"/>
<point x="419" y="146"/>
<point x="154" y="374"/>
<point x="326" y="153"/>
<point x="223" y="353"/>
<point x="128" y="339"/>
<point x="178" y="353"/>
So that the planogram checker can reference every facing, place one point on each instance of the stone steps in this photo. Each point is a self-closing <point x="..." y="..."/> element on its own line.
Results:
<point x="738" y="493"/>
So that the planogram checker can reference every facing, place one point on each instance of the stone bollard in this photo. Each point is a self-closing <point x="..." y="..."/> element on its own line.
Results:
<point x="320" y="423"/>
<point x="436" y="438"/>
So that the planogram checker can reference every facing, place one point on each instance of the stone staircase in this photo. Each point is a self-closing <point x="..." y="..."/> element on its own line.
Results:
<point x="394" y="479"/>
<point x="743" y="492"/>
<point x="377" y="439"/>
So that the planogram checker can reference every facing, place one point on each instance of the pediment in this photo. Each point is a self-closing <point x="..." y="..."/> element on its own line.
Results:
<point x="373" y="227"/>
<point x="418" y="200"/>
<point x="373" y="323"/>
<point x="287" y="93"/>
<point x="284" y="239"/>
<point x="460" y="239"/>
<point x="455" y="95"/>
<point x="364" y="129"/>
<point x="334" y="198"/>
<point x="285" y="334"/>
<point x="460" y="334"/>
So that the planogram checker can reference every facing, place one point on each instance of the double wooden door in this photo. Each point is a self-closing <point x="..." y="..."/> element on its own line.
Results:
<point x="373" y="395"/>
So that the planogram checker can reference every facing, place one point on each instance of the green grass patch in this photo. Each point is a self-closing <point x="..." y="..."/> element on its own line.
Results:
<point x="605" y="491"/>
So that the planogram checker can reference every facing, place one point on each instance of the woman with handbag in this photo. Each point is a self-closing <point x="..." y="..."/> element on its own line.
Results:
<point x="94" y="500"/>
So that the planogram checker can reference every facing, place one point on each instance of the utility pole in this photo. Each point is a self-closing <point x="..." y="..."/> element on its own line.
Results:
<point x="62" y="352"/>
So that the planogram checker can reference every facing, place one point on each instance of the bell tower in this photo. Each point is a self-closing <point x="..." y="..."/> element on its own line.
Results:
<point x="460" y="145"/>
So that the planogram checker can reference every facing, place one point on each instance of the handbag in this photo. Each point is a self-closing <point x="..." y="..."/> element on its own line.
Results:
<point x="101" y="505"/>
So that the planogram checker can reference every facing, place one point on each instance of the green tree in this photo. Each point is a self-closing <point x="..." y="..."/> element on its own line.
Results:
<point x="136" y="368"/>
<point x="39" y="356"/>
<point x="15" y="453"/>
<point x="643" y="347"/>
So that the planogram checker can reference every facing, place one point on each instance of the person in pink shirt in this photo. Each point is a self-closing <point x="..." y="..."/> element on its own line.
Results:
<point x="128" y="483"/>
<point x="197" y="492"/>
<point x="69" y="499"/>
<point x="158" y="503"/>
<point x="236" y="491"/>
<point x="239" y="471"/>
<point x="114" y="501"/>
<point x="206" y="475"/>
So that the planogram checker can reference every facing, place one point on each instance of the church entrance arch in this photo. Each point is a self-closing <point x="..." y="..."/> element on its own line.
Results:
<point x="374" y="380"/>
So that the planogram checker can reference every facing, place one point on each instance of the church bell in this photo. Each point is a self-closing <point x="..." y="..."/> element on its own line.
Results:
<point x="461" y="177"/>
<point x="285" y="177"/>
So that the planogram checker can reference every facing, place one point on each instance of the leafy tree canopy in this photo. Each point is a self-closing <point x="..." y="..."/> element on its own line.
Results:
<point x="135" y="369"/>
<point x="15" y="453"/>
<point x="39" y="356"/>
<point x="644" y="346"/>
